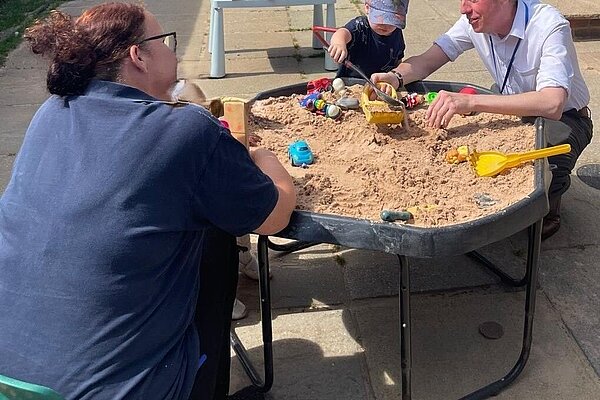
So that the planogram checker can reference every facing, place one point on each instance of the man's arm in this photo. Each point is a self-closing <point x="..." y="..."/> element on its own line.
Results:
<point x="552" y="81"/>
<point x="414" y="68"/>
<point x="268" y="163"/>
<point x="547" y="102"/>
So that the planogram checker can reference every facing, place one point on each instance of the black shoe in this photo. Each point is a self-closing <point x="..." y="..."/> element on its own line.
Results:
<point x="551" y="223"/>
<point x="550" y="226"/>
<point x="247" y="393"/>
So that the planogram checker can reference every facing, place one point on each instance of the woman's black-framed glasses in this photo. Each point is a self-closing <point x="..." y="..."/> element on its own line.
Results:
<point x="170" y="39"/>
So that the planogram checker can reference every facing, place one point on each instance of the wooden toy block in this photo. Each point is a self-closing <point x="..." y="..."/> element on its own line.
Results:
<point x="236" y="114"/>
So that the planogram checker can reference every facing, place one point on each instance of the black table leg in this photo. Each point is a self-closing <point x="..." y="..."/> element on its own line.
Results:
<point x="494" y="388"/>
<point x="267" y="328"/>
<point x="405" y="339"/>
<point x="533" y="254"/>
<point x="506" y="279"/>
<point x="291" y="246"/>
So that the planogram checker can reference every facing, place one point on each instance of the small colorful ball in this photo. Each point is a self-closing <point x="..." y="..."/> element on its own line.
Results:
<point x="320" y="104"/>
<point x="468" y="90"/>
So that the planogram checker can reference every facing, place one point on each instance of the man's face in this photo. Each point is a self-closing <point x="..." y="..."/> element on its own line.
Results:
<point x="481" y="13"/>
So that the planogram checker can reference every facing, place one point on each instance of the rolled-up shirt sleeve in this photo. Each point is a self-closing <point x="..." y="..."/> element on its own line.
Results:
<point x="456" y="40"/>
<point x="553" y="70"/>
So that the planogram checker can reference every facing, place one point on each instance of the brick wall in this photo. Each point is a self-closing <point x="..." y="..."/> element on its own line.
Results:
<point x="585" y="27"/>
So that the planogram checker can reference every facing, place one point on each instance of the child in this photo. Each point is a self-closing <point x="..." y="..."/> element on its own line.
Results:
<point x="374" y="43"/>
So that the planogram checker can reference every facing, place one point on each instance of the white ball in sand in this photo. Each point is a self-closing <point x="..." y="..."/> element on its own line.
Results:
<point x="338" y="84"/>
<point x="333" y="111"/>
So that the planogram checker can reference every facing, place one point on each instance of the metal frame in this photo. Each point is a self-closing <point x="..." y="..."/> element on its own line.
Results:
<point x="216" y="35"/>
<point x="492" y="389"/>
<point x="264" y="384"/>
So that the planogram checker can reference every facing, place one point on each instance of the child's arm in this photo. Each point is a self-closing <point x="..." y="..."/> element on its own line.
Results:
<point x="337" y="46"/>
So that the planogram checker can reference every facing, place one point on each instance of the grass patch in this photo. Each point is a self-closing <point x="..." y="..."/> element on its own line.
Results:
<point x="15" y="16"/>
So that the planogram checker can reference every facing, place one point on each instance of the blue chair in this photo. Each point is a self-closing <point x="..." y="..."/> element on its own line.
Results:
<point x="13" y="389"/>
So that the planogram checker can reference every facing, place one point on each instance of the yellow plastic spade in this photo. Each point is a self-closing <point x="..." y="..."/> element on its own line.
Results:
<point x="491" y="163"/>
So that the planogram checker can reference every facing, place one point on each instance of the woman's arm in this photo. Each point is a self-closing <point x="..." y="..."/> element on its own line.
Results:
<point x="268" y="163"/>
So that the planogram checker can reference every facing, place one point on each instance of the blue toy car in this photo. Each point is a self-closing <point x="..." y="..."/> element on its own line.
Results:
<point x="300" y="153"/>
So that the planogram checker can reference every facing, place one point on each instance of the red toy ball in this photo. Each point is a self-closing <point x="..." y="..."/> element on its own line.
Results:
<point x="468" y="90"/>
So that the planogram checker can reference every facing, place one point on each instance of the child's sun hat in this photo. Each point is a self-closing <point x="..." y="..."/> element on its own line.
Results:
<point x="389" y="12"/>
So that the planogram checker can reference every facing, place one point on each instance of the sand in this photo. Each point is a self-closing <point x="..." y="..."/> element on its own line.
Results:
<point x="361" y="169"/>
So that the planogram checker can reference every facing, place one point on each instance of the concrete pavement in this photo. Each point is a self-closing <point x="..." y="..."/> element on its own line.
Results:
<point x="335" y="309"/>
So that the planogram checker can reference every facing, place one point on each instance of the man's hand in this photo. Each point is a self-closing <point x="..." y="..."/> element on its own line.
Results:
<point x="387" y="77"/>
<point x="446" y="105"/>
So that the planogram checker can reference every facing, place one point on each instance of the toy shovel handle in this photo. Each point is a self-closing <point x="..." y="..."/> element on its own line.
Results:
<point x="317" y="32"/>
<point x="547" y="152"/>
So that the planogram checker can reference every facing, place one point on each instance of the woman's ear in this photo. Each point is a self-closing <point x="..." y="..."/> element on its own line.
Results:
<point x="137" y="59"/>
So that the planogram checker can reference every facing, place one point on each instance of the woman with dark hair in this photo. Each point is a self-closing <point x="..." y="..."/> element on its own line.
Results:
<point x="118" y="262"/>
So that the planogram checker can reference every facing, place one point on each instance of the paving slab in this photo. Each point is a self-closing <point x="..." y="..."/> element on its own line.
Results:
<point x="15" y="120"/>
<point x="23" y="88"/>
<point x="265" y="21"/>
<point x="22" y="58"/>
<point x="580" y="7"/>
<point x="445" y="12"/>
<point x="572" y="284"/>
<point x="306" y="279"/>
<point x="579" y="203"/>
<point x="328" y="275"/>
<point x="315" y="357"/>
<point x="451" y="358"/>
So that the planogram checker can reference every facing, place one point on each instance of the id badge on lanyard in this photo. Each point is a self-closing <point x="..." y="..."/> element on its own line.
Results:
<point x="494" y="87"/>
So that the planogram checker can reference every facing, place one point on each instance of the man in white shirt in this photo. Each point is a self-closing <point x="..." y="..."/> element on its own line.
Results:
<point x="528" y="49"/>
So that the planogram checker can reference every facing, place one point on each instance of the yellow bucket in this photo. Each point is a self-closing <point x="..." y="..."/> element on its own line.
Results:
<point x="380" y="112"/>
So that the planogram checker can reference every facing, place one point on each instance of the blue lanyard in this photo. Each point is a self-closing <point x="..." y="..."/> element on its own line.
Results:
<point x="512" y="58"/>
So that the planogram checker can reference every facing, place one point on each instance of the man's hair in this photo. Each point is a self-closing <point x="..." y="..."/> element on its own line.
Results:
<point x="91" y="46"/>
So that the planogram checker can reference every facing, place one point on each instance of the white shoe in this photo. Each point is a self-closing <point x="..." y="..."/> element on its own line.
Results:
<point x="249" y="266"/>
<point x="239" y="310"/>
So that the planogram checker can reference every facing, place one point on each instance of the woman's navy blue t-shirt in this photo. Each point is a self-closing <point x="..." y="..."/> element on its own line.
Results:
<point x="101" y="229"/>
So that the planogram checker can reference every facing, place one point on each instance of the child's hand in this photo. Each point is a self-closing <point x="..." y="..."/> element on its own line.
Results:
<point x="254" y="140"/>
<point x="338" y="52"/>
